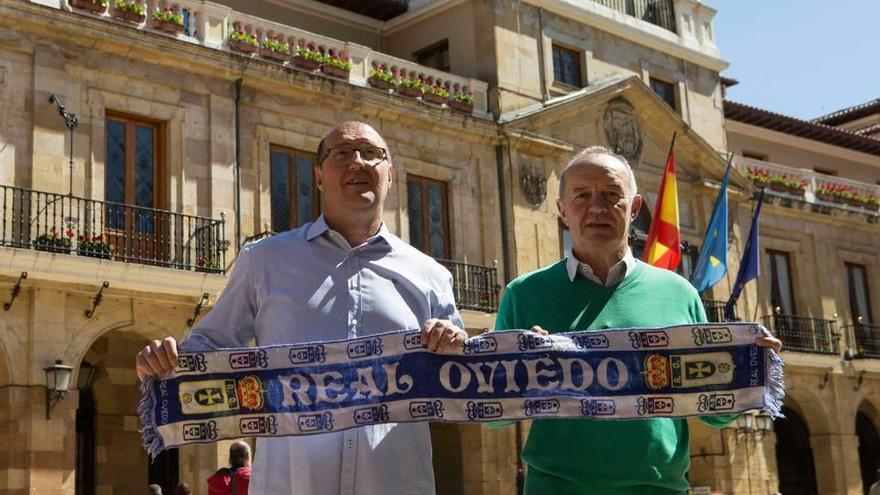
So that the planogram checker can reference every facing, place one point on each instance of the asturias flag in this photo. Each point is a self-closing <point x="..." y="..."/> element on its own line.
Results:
<point x="663" y="248"/>
<point x="712" y="263"/>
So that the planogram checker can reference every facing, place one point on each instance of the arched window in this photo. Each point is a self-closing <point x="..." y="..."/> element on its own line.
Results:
<point x="794" y="457"/>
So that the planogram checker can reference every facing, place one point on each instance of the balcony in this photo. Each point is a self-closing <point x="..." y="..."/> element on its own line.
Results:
<point x="74" y="226"/>
<point x="657" y="12"/>
<point x="863" y="340"/>
<point x="475" y="287"/>
<point x="803" y="333"/>
<point x="715" y="311"/>
<point x="213" y="25"/>
<point x="801" y="188"/>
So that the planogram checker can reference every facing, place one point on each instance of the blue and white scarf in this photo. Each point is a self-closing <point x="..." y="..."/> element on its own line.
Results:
<point x="306" y="389"/>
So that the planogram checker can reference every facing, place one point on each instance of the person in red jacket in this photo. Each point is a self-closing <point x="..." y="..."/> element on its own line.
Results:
<point x="233" y="480"/>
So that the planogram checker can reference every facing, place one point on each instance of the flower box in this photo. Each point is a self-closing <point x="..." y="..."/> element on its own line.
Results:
<point x="839" y="199"/>
<point x="279" y="57"/>
<point x="434" y="98"/>
<point x="408" y="91"/>
<point x="796" y="191"/>
<point x="871" y="206"/>
<point x="306" y="63"/>
<point x="242" y="46"/>
<point x="381" y="83"/>
<point x="334" y="71"/>
<point x="168" y="27"/>
<point x="779" y="186"/>
<point x="104" y="255"/>
<point x="460" y="106"/>
<point x="97" y="8"/>
<point x="52" y="248"/>
<point x="132" y="17"/>
<point x="828" y="198"/>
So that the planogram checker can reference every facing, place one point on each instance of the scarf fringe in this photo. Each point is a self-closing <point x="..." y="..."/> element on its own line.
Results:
<point x="774" y="392"/>
<point x="152" y="441"/>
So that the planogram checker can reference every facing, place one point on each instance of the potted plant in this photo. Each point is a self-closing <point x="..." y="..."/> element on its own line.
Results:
<point x="54" y="242"/>
<point x="241" y="41"/>
<point x="412" y="86"/>
<point x="825" y="192"/>
<point x="382" y="78"/>
<point x="872" y="202"/>
<point x="168" y="20"/>
<point x="129" y="11"/>
<point x="336" y="65"/>
<point x="797" y="187"/>
<point x="779" y="183"/>
<point x="435" y="92"/>
<point x="857" y="200"/>
<point x="94" y="247"/>
<point x="759" y="177"/>
<point x="462" y="100"/>
<point x="275" y="48"/>
<point x="307" y="56"/>
<point x="207" y="264"/>
<point x="95" y="6"/>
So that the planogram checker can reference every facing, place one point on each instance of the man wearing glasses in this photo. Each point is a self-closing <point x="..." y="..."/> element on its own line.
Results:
<point x="343" y="276"/>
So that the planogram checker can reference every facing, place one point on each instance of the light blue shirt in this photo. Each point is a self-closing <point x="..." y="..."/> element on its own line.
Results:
<point x="310" y="285"/>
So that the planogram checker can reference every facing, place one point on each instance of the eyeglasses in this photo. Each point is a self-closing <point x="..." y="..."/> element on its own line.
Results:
<point x="370" y="155"/>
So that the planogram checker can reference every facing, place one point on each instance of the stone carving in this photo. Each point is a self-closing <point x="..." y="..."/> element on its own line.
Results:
<point x="533" y="185"/>
<point x="622" y="130"/>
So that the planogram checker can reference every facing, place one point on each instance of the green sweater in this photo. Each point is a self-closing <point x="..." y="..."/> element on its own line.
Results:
<point x="597" y="457"/>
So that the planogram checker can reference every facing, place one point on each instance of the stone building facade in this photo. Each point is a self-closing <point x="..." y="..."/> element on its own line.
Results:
<point x="188" y="145"/>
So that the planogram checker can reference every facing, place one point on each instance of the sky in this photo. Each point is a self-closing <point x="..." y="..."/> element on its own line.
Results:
<point x="802" y="58"/>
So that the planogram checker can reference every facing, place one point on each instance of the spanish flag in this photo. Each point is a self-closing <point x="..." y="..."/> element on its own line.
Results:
<point x="663" y="248"/>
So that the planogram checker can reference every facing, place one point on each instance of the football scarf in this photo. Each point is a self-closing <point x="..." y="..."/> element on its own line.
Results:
<point x="307" y="389"/>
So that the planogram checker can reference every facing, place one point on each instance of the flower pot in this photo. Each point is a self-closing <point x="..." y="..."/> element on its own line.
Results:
<point x="241" y="46"/>
<point x="839" y="199"/>
<point x="306" y="63"/>
<point x="434" y="98"/>
<point x="855" y="203"/>
<point x="52" y="248"/>
<point x="203" y="269"/>
<point x="796" y="191"/>
<point x="778" y="186"/>
<point x="408" y="91"/>
<point x="872" y="206"/>
<point x="332" y="70"/>
<point x="168" y="27"/>
<point x="381" y="83"/>
<point x="274" y="56"/>
<point x="96" y="8"/>
<point x="461" y="106"/>
<point x="825" y="197"/>
<point x="132" y="17"/>
<point x="95" y="254"/>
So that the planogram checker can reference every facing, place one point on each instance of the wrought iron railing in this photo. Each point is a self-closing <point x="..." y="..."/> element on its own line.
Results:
<point x="474" y="286"/>
<point x="863" y="340"/>
<point x="72" y="225"/>
<point x="803" y="333"/>
<point x="256" y="237"/>
<point x="715" y="311"/>
<point x="658" y="12"/>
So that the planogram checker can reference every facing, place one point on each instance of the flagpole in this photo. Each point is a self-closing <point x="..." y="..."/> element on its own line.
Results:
<point x="672" y="144"/>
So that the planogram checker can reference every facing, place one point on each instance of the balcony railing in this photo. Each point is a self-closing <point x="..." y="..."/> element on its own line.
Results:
<point x="715" y="311"/>
<point x="211" y="25"/>
<point x="658" y="12"/>
<point x="803" y="333"/>
<point x="863" y="340"/>
<point x="822" y="192"/>
<point x="72" y="225"/>
<point x="475" y="286"/>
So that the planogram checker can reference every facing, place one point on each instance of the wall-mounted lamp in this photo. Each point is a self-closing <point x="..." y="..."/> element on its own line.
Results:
<point x="57" y="383"/>
<point x="757" y="423"/>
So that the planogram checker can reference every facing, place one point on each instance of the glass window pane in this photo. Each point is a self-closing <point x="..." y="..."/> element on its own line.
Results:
<point x="859" y="294"/>
<point x="414" y="211"/>
<point x="280" y="190"/>
<point x="143" y="171"/>
<point x="437" y="220"/>
<point x="114" y="173"/>
<point x="305" y="189"/>
<point x="783" y="280"/>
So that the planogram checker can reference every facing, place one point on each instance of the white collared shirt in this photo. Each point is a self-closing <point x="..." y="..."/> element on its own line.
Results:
<point x="309" y="285"/>
<point x="615" y="275"/>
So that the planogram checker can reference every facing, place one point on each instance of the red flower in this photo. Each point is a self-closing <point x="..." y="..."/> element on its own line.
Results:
<point x="70" y="233"/>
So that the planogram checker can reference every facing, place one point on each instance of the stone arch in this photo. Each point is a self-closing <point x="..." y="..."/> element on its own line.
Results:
<point x="795" y="461"/>
<point x="811" y="408"/>
<point x="867" y="429"/>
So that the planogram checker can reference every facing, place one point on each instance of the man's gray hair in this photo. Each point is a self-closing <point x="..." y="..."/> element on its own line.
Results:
<point x="598" y="150"/>
<point x="154" y="490"/>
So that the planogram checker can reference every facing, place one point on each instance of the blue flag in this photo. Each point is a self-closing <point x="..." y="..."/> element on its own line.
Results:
<point x="750" y="265"/>
<point x="712" y="263"/>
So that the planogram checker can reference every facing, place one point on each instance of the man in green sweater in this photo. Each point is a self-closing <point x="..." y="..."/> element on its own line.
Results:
<point x="600" y="286"/>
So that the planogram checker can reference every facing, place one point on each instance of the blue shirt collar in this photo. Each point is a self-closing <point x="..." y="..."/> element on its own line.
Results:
<point x="319" y="227"/>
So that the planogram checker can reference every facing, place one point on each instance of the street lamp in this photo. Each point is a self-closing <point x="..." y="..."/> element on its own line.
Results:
<point x="57" y="383"/>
